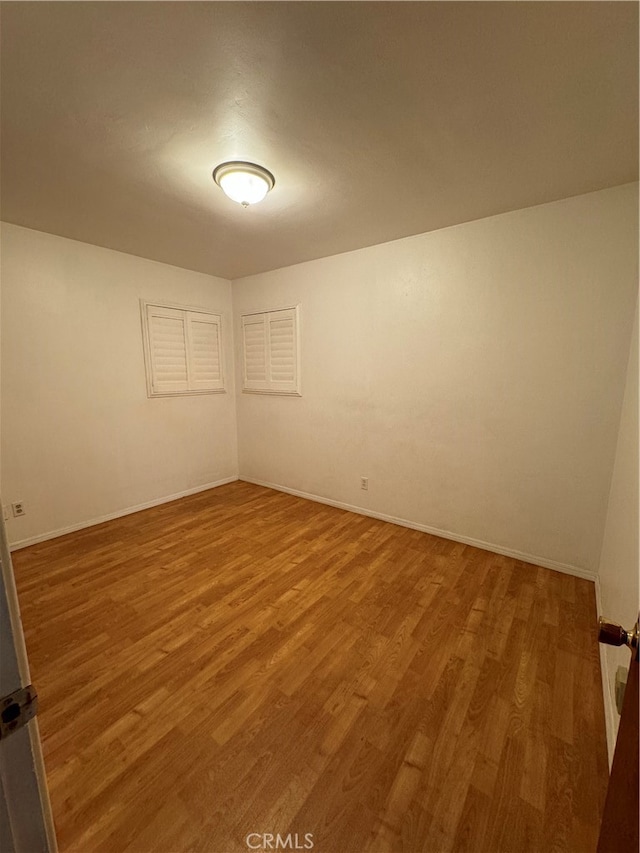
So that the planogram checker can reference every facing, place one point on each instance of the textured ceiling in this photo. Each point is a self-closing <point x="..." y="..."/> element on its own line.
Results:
<point x="379" y="120"/>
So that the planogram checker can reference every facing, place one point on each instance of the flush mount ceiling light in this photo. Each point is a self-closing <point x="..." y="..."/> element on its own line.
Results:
<point x="243" y="182"/>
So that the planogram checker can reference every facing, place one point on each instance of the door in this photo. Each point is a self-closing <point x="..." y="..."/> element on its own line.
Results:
<point x="26" y="825"/>
<point x="619" y="829"/>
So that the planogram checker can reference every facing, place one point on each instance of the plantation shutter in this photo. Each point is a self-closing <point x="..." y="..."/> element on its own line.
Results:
<point x="168" y="350"/>
<point x="282" y="350"/>
<point x="270" y="344"/>
<point x="255" y="351"/>
<point x="205" y="368"/>
<point x="183" y="351"/>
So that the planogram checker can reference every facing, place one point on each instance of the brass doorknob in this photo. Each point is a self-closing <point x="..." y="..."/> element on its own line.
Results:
<point x="614" y="635"/>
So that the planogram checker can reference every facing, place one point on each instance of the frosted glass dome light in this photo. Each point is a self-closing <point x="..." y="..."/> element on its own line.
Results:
<point x="245" y="183"/>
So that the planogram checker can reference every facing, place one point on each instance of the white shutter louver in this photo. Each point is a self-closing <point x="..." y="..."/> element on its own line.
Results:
<point x="183" y="352"/>
<point x="282" y="339"/>
<point x="205" y="367"/>
<point x="282" y="350"/>
<point x="270" y="342"/>
<point x="255" y="351"/>
<point x="168" y="347"/>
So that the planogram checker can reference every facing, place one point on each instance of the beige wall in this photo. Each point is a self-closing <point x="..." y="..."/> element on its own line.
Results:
<point x="80" y="438"/>
<point x="619" y="560"/>
<point x="474" y="374"/>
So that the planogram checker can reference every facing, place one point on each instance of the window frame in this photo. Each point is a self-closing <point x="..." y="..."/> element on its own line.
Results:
<point x="186" y="310"/>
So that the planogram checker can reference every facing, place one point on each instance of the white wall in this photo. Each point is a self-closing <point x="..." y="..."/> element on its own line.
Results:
<point x="619" y="560"/>
<point x="80" y="438"/>
<point x="474" y="374"/>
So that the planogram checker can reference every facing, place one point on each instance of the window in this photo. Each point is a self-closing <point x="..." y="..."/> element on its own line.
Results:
<point x="182" y="350"/>
<point x="270" y="349"/>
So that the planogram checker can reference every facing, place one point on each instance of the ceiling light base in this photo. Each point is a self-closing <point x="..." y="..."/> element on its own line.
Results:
<point x="246" y="183"/>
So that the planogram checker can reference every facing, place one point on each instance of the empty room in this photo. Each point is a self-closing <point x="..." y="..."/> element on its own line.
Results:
<point x="319" y="427"/>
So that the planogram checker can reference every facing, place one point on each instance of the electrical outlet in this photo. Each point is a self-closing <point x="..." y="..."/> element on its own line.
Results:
<point x="18" y="509"/>
<point x="364" y="483"/>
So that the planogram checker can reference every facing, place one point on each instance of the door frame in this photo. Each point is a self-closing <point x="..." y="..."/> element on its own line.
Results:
<point x="26" y="820"/>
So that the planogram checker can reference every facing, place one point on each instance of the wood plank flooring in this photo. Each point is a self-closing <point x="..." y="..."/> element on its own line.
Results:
<point x="244" y="661"/>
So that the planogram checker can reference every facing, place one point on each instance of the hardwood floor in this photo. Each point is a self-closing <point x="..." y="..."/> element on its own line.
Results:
<point x="244" y="661"/>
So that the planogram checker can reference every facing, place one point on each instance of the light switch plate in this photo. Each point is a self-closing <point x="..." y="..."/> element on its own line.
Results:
<point x="621" y="683"/>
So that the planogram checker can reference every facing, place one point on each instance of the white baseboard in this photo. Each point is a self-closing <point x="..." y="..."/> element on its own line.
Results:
<point x="52" y="534"/>
<point x="610" y="712"/>
<point x="424" y="528"/>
